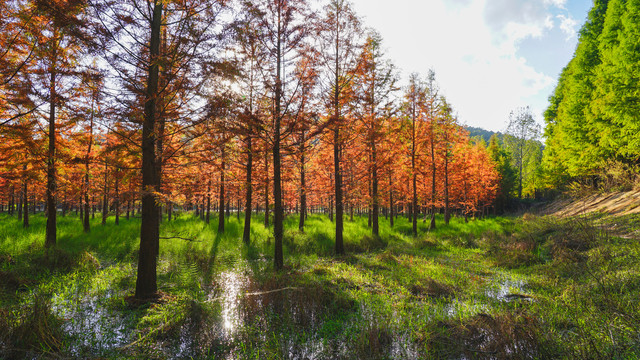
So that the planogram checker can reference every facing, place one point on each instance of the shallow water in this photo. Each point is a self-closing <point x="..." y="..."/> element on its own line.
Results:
<point x="233" y="286"/>
<point x="91" y="326"/>
<point x="502" y="287"/>
<point x="245" y="314"/>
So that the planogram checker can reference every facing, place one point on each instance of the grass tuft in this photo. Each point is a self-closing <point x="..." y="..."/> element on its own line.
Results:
<point x="38" y="329"/>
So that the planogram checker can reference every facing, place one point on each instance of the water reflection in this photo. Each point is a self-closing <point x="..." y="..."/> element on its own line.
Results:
<point x="91" y="325"/>
<point x="232" y="286"/>
<point x="504" y="288"/>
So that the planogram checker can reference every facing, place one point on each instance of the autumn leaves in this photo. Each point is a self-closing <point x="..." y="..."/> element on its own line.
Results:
<point x="253" y="105"/>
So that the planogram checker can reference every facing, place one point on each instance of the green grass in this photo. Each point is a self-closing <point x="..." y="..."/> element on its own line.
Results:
<point x="491" y="288"/>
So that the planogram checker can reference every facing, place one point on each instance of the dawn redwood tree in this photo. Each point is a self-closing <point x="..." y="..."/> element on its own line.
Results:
<point x="431" y="109"/>
<point x="249" y="58"/>
<point x="391" y="164"/>
<point x="163" y="53"/>
<point x="449" y="132"/>
<point x="21" y="154"/>
<point x="283" y="29"/>
<point x="376" y="79"/>
<point x="305" y="122"/>
<point x="339" y="37"/>
<point x="474" y="177"/>
<point x="17" y="59"/>
<point x="146" y="283"/>
<point x="57" y="28"/>
<point x="93" y="86"/>
<point x="223" y="141"/>
<point x="415" y="101"/>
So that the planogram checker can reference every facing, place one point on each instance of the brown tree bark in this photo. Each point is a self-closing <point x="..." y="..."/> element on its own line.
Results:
<point x="50" y="240"/>
<point x="222" y="198"/>
<point x="303" y="187"/>
<point x="105" y="194"/>
<point x="116" y="202"/>
<point x="390" y="199"/>
<point x="146" y="281"/>
<point x="25" y="204"/>
<point x="208" y="215"/>
<point x="246" y="235"/>
<point x="278" y="215"/>
<point x="375" y="209"/>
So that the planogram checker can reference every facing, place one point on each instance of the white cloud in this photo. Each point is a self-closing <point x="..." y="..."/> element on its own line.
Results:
<point x="472" y="46"/>
<point x="557" y="3"/>
<point x="568" y="25"/>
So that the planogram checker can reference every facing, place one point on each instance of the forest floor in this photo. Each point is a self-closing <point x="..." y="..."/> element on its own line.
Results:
<point x="518" y="288"/>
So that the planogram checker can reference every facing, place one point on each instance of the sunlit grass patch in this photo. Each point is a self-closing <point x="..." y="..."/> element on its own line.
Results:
<point x="393" y="296"/>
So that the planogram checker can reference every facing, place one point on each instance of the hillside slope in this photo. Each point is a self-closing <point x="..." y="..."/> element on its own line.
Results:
<point x="616" y="203"/>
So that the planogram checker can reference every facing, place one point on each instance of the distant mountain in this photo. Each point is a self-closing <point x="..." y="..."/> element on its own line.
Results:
<point x="476" y="132"/>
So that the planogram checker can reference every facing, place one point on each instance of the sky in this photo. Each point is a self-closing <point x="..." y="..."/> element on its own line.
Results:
<point x="490" y="56"/>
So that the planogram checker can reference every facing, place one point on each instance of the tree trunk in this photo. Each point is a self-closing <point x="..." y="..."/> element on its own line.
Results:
<point x="447" y="213"/>
<point x="238" y="196"/>
<point x="337" y="174"/>
<point x="116" y="205"/>
<point x="207" y="216"/>
<point x="414" y="202"/>
<point x="65" y="204"/>
<point x="25" y="203"/>
<point x="331" y="208"/>
<point x="432" y="226"/>
<point x="146" y="281"/>
<point x="11" y="201"/>
<point x="374" y="192"/>
<point x="390" y="200"/>
<point x="303" y="189"/>
<point x="51" y="155"/>
<point x="105" y="199"/>
<point x="266" y="189"/>
<point x="86" y="226"/>
<point x="370" y="194"/>
<point x="222" y="199"/>
<point x="202" y="207"/>
<point x="278" y="232"/>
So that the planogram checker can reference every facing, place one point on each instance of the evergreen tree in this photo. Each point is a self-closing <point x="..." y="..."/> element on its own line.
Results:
<point x="617" y="99"/>
<point x="572" y="128"/>
<point x="508" y="176"/>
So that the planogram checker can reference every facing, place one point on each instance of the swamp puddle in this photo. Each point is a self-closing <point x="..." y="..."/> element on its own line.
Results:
<point x="502" y="288"/>
<point x="91" y="327"/>
<point x="248" y="313"/>
<point x="505" y="288"/>
<point x="234" y="286"/>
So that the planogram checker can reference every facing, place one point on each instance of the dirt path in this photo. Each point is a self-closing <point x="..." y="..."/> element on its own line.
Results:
<point x="617" y="203"/>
